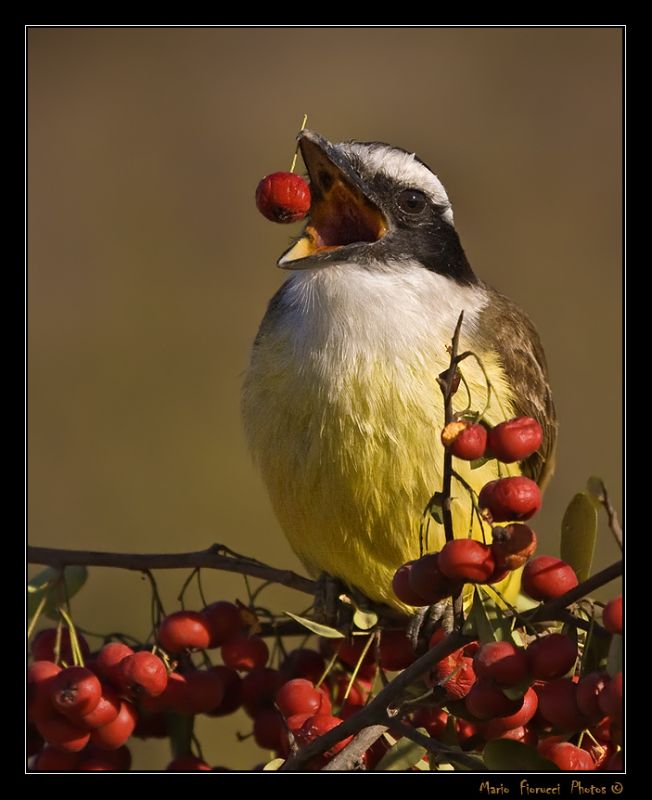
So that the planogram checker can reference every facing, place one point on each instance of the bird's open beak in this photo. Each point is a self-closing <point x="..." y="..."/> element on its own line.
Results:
<point x="342" y="210"/>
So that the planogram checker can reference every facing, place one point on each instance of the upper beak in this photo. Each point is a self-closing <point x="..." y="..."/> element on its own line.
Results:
<point x="342" y="211"/>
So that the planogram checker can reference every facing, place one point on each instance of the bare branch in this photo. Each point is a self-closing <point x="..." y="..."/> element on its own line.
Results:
<point x="210" y="559"/>
<point x="347" y="758"/>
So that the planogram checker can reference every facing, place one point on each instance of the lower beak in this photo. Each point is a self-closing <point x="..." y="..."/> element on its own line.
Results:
<point x="342" y="212"/>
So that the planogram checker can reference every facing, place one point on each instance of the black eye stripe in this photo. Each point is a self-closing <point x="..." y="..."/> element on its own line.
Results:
<point x="411" y="201"/>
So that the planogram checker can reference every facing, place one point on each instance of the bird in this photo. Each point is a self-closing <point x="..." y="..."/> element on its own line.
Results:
<point x="341" y="406"/>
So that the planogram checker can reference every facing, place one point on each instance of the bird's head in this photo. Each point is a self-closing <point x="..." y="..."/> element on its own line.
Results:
<point x="374" y="204"/>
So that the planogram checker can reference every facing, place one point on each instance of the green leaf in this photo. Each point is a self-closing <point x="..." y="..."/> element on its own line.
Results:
<point x="435" y="513"/>
<point x="506" y="755"/>
<point x="596" y="652"/>
<point x="402" y="755"/>
<point x="487" y="620"/>
<point x="316" y="627"/>
<point x="615" y="657"/>
<point x="56" y="586"/>
<point x="365" y="619"/>
<point x="578" y="534"/>
<point x="478" y="462"/>
<point x="273" y="765"/>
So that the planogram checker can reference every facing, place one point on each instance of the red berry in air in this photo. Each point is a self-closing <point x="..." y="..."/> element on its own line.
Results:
<point x="104" y="712"/>
<point x="485" y="700"/>
<point x="512" y="545"/>
<point x="427" y="580"/>
<point x="396" y="651"/>
<point x="259" y="689"/>
<point x="466" y="560"/>
<point x="114" y="734"/>
<point x="188" y="763"/>
<point x="283" y="197"/>
<point x="303" y="663"/>
<point x="551" y="656"/>
<point x="510" y="499"/>
<point x="52" y="760"/>
<point x="142" y="674"/>
<point x="402" y="588"/>
<point x="223" y="620"/>
<point x="232" y="699"/>
<point x="589" y="690"/>
<point x="612" y="615"/>
<point x="184" y="630"/>
<point x="558" y="705"/>
<point x="515" y="439"/>
<point x="269" y="729"/>
<point x="524" y="713"/>
<point x="44" y="643"/>
<point x="465" y="441"/>
<point x="244" y="652"/>
<point x="501" y="662"/>
<point x="109" y="658"/>
<point x="567" y="756"/>
<point x="546" y="577"/>
<point x="63" y="734"/>
<point x="204" y="691"/>
<point x="317" y="726"/>
<point x="75" y="690"/>
<point x="299" y="696"/>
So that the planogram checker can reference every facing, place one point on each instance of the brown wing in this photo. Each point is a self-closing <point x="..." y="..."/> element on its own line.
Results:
<point x="507" y="331"/>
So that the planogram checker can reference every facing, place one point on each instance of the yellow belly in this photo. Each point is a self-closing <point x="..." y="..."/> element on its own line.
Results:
<point x="350" y="452"/>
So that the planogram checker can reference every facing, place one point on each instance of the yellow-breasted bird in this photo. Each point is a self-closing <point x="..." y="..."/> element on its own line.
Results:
<point x="341" y="403"/>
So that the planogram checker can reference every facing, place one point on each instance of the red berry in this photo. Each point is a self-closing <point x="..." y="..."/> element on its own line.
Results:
<point x="104" y="712"/>
<point x="151" y="725"/>
<point x="466" y="560"/>
<point x="396" y="651"/>
<point x="93" y="760"/>
<point x="455" y="674"/>
<point x="52" y="760"/>
<point x="223" y="620"/>
<point x="567" y="757"/>
<point x="142" y="674"/>
<point x="204" y="691"/>
<point x="283" y="197"/>
<point x="114" y="734"/>
<point x="427" y="581"/>
<point x="402" y="588"/>
<point x="523" y="734"/>
<point x="244" y="653"/>
<point x="259" y="689"/>
<point x="434" y="720"/>
<point x="471" y="443"/>
<point x="547" y="577"/>
<point x="485" y="700"/>
<point x="512" y="545"/>
<point x="188" y="763"/>
<point x="63" y="734"/>
<point x="75" y="690"/>
<point x="269" y="729"/>
<point x="184" y="630"/>
<point x="615" y="763"/>
<point x="515" y="439"/>
<point x="610" y="699"/>
<point x="232" y="699"/>
<point x="350" y="652"/>
<point x="40" y="676"/>
<point x="525" y="712"/>
<point x="358" y="693"/>
<point x="296" y="721"/>
<point x="589" y="690"/>
<point x="558" y="705"/>
<point x="612" y="615"/>
<point x="508" y="499"/>
<point x="44" y="643"/>
<point x="174" y="698"/>
<point x="501" y="662"/>
<point x="551" y="656"/>
<point x="317" y="726"/>
<point x="299" y="696"/>
<point x="303" y="663"/>
<point x="108" y="659"/>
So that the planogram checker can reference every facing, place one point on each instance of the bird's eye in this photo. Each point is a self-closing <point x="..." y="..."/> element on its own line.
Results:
<point x="412" y="201"/>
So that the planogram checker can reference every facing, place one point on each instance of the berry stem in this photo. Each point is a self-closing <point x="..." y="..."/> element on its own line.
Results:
<point x="296" y="149"/>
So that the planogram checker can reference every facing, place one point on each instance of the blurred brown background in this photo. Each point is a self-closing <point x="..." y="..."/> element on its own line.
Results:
<point x="150" y="268"/>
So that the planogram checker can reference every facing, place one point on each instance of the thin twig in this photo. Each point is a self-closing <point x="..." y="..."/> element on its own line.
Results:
<point x="452" y="754"/>
<point x="612" y="516"/>
<point x="209" y="558"/>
